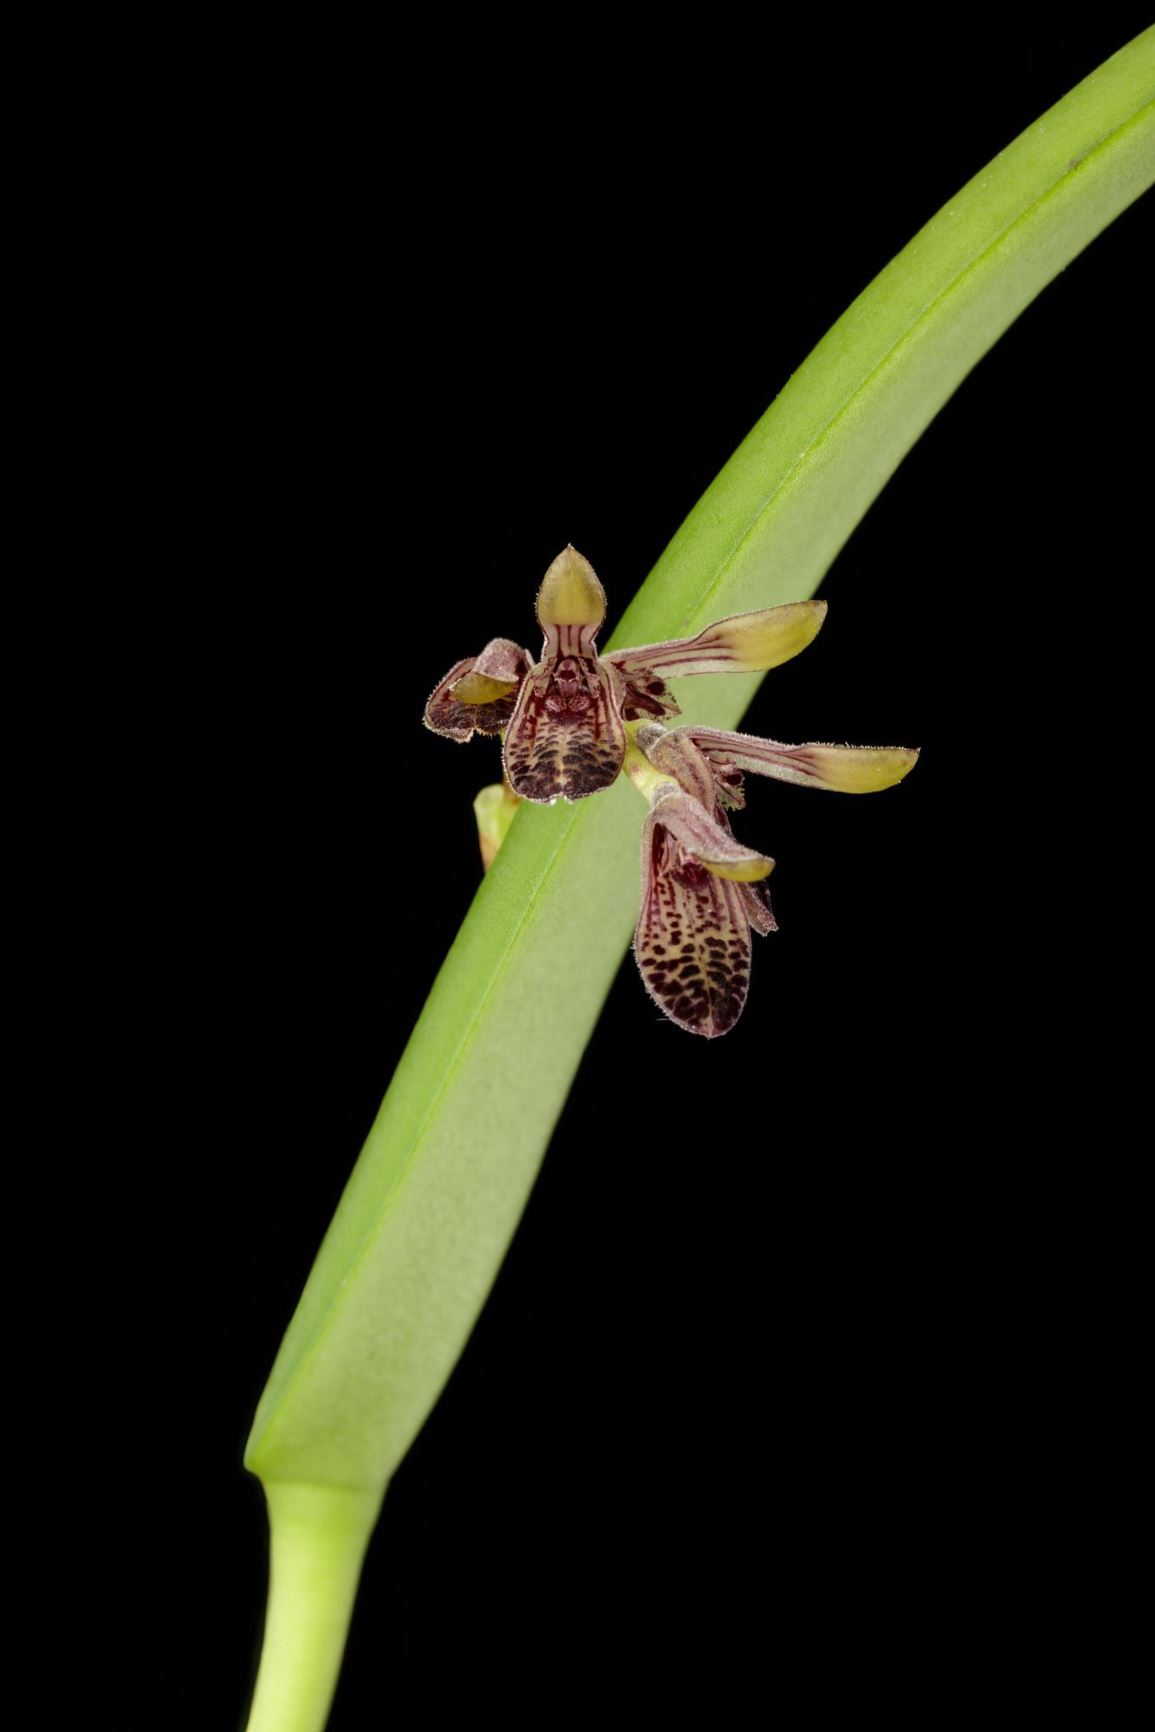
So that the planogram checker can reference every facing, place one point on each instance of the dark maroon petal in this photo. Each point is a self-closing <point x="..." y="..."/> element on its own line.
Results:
<point x="692" y="940"/>
<point x="566" y="738"/>
<point x="454" y="709"/>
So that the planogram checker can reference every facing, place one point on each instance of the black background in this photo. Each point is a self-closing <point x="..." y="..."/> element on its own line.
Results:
<point x="774" y="1393"/>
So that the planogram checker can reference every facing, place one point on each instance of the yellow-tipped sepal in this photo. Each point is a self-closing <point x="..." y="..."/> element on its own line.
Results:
<point x="570" y="593"/>
<point x="860" y="769"/>
<point x="756" y="641"/>
<point x="744" y="643"/>
<point x="711" y="844"/>
<point x="842" y="769"/>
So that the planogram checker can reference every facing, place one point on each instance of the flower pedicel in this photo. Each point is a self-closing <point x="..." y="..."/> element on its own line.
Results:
<point x="573" y="720"/>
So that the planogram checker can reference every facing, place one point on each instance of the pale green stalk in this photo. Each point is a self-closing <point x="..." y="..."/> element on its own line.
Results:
<point x="441" y="1183"/>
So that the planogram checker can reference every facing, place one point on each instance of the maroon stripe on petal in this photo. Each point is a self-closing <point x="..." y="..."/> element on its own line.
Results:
<point x="692" y="940"/>
<point x="566" y="738"/>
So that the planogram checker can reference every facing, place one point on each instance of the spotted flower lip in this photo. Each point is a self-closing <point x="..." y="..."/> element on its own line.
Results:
<point x="703" y="893"/>
<point x="564" y="716"/>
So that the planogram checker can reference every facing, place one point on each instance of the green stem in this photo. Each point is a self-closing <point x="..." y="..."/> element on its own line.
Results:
<point x="319" y="1535"/>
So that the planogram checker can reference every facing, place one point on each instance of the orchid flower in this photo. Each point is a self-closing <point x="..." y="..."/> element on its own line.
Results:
<point x="564" y="717"/>
<point x="702" y="892"/>
<point x="573" y="720"/>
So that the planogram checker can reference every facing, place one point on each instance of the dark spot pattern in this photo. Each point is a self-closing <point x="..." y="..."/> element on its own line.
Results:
<point x="692" y="941"/>
<point x="566" y="738"/>
<point x="646" y="694"/>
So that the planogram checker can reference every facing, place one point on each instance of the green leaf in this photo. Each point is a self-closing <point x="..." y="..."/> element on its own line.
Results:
<point x="448" y="1165"/>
